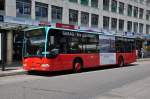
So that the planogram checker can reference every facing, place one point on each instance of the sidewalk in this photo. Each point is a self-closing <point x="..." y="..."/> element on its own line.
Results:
<point x="13" y="69"/>
<point x="143" y="59"/>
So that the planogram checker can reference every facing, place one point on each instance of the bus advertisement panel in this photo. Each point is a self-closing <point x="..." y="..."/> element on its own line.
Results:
<point x="107" y="50"/>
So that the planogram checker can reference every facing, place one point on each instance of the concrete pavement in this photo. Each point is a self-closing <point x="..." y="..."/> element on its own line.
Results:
<point x="12" y="69"/>
<point x="143" y="59"/>
<point x="12" y="72"/>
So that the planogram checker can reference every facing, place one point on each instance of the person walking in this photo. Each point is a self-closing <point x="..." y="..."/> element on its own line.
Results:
<point x="137" y="53"/>
<point x="142" y="52"/>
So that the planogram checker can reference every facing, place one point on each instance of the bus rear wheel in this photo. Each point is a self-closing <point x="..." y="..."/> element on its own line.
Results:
<point x="120" y="62"/>
<point x="77" y="66"/>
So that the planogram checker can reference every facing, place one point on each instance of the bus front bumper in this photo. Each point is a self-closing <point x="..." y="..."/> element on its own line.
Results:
<point x="42" y="67"/>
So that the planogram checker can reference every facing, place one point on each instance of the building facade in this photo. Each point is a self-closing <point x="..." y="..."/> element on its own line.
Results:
<point x="109" y="15"/>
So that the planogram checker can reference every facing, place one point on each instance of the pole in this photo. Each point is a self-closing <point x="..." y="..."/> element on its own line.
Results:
<point x="2" y="51"/>
<point x="3" y="65"/>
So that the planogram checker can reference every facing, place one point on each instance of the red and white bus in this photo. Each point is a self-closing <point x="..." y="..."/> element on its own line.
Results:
<point x="58" y="48"/>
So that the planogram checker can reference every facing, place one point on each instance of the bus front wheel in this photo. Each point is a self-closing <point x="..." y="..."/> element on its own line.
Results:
<point x="77" y="66"/>
<point x="29" y="72"/>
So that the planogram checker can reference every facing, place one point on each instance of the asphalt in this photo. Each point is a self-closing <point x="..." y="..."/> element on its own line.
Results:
<point x="18" y="70"/>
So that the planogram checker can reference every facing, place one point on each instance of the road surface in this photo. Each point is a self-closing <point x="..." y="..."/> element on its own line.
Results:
<point x="129" y="82"/>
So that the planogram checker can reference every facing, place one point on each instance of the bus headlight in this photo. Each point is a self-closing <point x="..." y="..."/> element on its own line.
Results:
<point x="24" y="65"/>
<point x="45" y="65"/>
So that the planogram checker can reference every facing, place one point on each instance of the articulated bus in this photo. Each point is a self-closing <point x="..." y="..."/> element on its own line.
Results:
<point x="58" y="49"/>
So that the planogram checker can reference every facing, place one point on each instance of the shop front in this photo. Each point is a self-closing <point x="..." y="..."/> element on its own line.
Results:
<point x="146" y="45"/>
<point x="11" y="38"/>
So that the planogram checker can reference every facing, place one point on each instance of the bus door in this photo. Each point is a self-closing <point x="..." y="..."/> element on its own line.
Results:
<point x="129" y="48"/>
<point x="91" y="47"/>
<point x="107" y="50"/>
<point x="59" y="41"/>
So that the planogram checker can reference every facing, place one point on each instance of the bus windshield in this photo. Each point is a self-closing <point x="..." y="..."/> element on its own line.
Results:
<point x="34" y="44"/>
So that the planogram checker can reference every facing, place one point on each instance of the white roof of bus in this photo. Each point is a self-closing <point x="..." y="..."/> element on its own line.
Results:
<point x="32" y="28"/>
<point x="78" y="30"/>
<point x="93" y="32"/>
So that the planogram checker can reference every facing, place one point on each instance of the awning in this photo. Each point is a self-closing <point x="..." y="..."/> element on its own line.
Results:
<point x="12" y="26"/>
<point x="14" y="23"/>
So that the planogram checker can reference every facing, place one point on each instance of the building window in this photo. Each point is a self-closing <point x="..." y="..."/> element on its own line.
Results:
<point x="148" y="15"/>
<point x="135" y="0"/>
<point x="141" y="1"/>
<point x="106" y="22"/>
<point x="129" y="26"/>
<point x="121" y="25"/>
<point x="41" y="11"/>
<point x="2" y="5"/>
<point x="135" y="27"/>
<point x="74" y="1"/>
<point x="84" y="18"/>
<point x="141" y="11"/>
<point x="121" y="8"/>
<point x="73" y="17"/>
<point x="148" y="2"/>
<point x="23" y="8"/>
<point x="94" y="3"/>
<point x="141" y="28"/>
<point x="129" y="10"/>
<point x="94" y="20"/>
<point x="135" y="14"/>
<point x="85" y="2"/>
<point x="106" y="5"/>
<point x="56" y="13"/>
<point x="114" y="24"/>
<point x="114" y="6"/>
<point x="147" y="29"/>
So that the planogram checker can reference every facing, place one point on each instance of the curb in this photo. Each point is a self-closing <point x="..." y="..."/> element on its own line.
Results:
<point x="11" y="73"/>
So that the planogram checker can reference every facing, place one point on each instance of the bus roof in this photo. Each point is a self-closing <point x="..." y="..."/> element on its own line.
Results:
<point x="32" y="28"/>
<point x="93" y="32"/>
<point x="79" y="30"/>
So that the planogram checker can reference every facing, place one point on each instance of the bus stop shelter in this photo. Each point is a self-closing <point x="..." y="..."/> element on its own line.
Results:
<point x="8" y="27"/>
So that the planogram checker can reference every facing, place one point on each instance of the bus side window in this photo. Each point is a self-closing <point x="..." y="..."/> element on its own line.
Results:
<point x="74" y="46"/>
<point x="63" y="48"/>
<point x="63" y="45"/>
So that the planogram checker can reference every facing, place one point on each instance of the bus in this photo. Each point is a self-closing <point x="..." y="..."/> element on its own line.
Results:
<point x="65" y="48"/>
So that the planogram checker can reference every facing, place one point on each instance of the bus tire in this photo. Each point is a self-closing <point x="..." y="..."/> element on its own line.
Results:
<point x="30" y="72"/>
<point x="77" y="66"/>
<point x="120" y="62"/>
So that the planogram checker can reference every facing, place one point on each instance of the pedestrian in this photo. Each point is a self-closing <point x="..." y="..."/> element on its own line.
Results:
<point x="142" y="52"/>
<point x="137" y="53"/>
